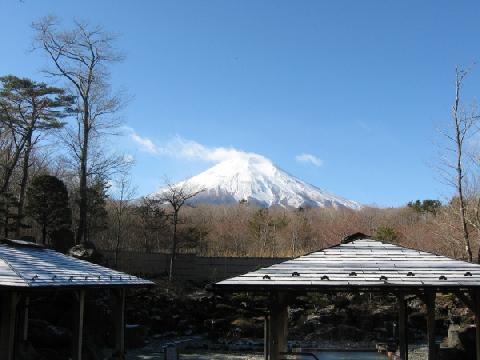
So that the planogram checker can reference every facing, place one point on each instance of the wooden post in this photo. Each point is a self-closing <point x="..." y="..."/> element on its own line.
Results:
<point x="26" y="313"/>
<point x="430" y="302"/>
<point x="77" y="331"/>
<point x="476" y="305"/>
<point x="119" y="323"/>
<point x="7" y="325"/>
<point x="266" y="340"/>
<point x="278" y="327"/>
<point x="402" y="327"/>
<point x="21" y="331"/>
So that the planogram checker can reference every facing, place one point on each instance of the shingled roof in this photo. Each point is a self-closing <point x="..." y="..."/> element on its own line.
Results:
<point x="26" y="265"/>
<point x="361" y="262"/>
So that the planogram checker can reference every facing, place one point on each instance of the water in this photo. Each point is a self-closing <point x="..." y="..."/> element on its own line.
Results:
<point x="349" y="355"/>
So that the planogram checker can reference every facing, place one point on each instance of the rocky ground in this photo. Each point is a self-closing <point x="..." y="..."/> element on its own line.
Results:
<point x="200" y="323"/>
<point x="341" y="321"/>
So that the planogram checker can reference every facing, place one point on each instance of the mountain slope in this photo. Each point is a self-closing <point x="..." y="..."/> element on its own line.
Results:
<point x="256" y="179"/>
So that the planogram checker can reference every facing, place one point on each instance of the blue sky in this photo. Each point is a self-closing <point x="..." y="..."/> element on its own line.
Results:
<point x="361" y="86"/>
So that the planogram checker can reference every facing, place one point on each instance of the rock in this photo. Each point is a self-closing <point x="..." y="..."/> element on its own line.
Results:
<point x="467" y="339"/>
<point x="453" y="338"/>
<point x="417" y="320"/>
<point x="86" y="251"/>
<point x="248" y="327"/>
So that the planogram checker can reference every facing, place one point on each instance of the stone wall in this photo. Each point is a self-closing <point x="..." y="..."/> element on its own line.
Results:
<point x="188" y="266"/>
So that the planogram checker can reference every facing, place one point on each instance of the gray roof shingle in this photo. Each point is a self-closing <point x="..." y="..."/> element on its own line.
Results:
<point x="30" y="266"/>
<point x="363" y="264"/>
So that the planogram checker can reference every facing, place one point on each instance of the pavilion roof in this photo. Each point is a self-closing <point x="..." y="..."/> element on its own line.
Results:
<point x="26" y="265"/>
<point x="360" y="263"/>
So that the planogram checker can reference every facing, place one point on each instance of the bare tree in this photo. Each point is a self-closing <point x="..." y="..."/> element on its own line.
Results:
<point x="81" y="56"/>
<point x="123" y="194"/>
<point x="464" y="126"/>
<point x="153" y="220"/>
<point x="176" y="196"/>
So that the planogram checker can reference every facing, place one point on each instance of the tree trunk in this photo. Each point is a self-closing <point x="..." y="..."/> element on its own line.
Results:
<point x="23" y="184"/>
<point x="459" y="170"/>
<point x="9" y="168"/>
<point x="44" y="234"/>
<point x="83" y="191"/>
<point x="174" y="246"/>
<point x="118" y="234"/>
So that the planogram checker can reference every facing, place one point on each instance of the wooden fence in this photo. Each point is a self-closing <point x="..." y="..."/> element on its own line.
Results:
<point x="188" y="267"/>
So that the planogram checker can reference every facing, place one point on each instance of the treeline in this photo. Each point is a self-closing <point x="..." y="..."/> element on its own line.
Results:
<point x="246" y="230"/>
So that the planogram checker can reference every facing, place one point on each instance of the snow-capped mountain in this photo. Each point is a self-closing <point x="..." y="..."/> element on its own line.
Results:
<point x="256" y="179"/>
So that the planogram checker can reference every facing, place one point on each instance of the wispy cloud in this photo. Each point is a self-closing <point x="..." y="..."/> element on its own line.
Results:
<point x="180" y="147"/>
<point x="145" y="143"/>
<point x="309" y="159"/>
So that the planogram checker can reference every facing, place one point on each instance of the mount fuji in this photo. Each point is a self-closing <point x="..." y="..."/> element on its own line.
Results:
<point x="254" y="178"/>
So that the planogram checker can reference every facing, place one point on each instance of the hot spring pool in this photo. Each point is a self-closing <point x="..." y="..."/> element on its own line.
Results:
<point x="348" y="355"/>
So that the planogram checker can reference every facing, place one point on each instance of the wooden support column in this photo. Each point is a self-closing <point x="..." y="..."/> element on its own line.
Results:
<point x="266" y="340"/>
<point x="26" y="314"/>
<point x="278" y="326"/>
<point x="119" y="323"/>
<point x="432" y="346"/>
<point x="8" y="316"/>
<point x="402" y="327"/>
<point x="77" y="331"/>
<point x="476" y="311"/>
<point x="21" y="331"/>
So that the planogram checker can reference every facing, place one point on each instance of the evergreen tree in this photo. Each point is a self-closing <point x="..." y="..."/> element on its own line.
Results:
<point x="386" y="233"/>
<point x="47" y="204"/>
<point x="425" y="206"/>
<point x="97" y="215"/>
<point x="29" y="109"/>
<point x="8" y="213"/>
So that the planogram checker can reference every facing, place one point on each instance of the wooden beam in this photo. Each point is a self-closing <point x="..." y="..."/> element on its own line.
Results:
<point x="402" y="327"/>
<point x="278" y="326"/>
<point x="77" y="331"/>
<point x="119" y="323"/>
<point x="7" y="324"/>
<point x="430" y="302"/>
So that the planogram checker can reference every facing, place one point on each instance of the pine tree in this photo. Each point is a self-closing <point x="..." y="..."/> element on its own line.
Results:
<point x="47" y="199"/>
<point x="28" y="110"/>
<point x="8" y="213"/>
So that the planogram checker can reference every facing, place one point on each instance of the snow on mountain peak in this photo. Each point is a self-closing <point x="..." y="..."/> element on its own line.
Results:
<point x="253" y="177"/>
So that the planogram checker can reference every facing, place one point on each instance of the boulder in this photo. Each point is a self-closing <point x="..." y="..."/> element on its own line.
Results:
<point x="462" y="338"/>
<point x="466" y="336"/>
<point x="453" y="337"/>
<point x="86" y="251"/>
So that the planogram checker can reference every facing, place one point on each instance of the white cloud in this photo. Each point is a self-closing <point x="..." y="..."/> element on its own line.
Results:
<point x="309" y="159"/>
<point x="146" y="144"/>
<point x="180" y="147"/>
